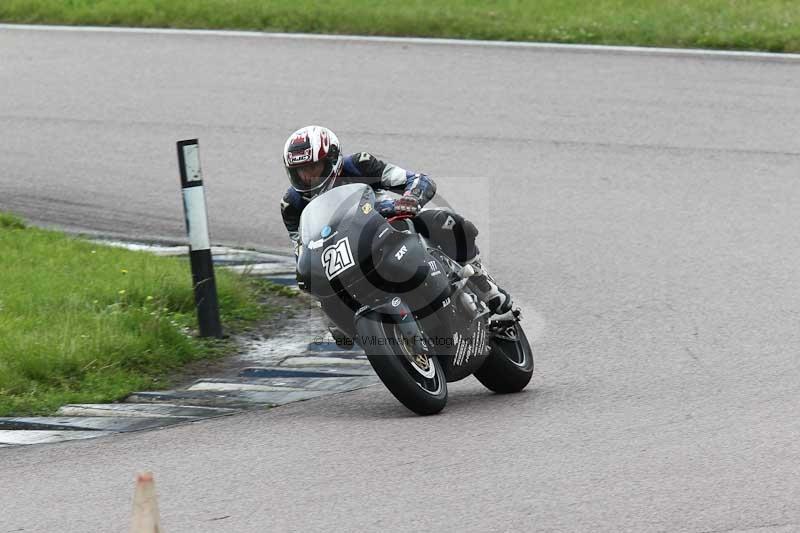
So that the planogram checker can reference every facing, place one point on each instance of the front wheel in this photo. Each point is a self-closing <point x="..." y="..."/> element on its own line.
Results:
<point x="411" y="375"/>
<point x="509" y="367"/>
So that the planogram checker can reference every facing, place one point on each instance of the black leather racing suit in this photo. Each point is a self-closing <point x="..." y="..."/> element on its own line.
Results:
<point x="454" y="234"/>
<point x="364" y="168"/>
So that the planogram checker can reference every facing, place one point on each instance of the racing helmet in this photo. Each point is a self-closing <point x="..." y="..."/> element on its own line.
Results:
<point x="313" y="160"/>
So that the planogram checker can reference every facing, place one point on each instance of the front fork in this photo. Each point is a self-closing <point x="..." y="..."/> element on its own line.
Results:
<point x="398" y="314"/>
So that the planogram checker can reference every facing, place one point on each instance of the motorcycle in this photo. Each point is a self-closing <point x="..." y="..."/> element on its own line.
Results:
<point x="407" y="304"/>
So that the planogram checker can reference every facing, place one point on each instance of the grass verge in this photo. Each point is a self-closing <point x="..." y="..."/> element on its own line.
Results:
<point x="772" y="25"/>
<point x="82" y="322"/>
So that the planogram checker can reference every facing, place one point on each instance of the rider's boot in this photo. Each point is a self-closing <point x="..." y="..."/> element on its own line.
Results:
<point x="497" y="300"/>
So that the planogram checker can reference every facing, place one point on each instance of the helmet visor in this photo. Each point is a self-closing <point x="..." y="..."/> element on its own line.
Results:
<point x="310" y="176"/>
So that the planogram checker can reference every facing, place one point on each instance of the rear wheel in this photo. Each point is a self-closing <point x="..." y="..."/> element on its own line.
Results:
<point x="397" y="355"/>
<point x="509" y="367"/>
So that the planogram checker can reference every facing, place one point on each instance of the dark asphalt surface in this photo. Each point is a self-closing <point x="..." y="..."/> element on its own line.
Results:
<point x="645" y="206"/>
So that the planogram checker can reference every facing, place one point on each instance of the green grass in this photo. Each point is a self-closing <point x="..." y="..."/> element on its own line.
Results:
<point x="772" y="25"/>
<point x="81" y="322"/>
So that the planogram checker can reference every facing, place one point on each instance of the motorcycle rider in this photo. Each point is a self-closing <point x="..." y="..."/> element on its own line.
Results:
<point x="314" y="163"/>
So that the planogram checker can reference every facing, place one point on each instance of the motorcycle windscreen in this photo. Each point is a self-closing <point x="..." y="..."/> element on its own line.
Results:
<point x="325" y="214"/>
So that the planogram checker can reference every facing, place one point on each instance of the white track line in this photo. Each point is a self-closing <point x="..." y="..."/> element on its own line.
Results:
<point x="422" y="41"/>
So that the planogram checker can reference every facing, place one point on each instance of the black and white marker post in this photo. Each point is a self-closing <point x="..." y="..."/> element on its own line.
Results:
<point x="194" y="209"/>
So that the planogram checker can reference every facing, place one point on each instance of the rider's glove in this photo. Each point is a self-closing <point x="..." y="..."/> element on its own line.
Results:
<point x="407" y="205"/>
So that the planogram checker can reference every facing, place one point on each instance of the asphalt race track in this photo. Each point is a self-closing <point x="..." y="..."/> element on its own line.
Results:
<point x="645" y="205"/>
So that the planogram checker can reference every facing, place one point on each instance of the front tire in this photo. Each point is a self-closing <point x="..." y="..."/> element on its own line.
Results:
<point x="509" y="367"/>
<point x="415" y="378"/>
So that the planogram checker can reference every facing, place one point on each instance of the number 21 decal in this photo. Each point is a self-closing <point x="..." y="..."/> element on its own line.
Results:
<point x="337" y="258"/>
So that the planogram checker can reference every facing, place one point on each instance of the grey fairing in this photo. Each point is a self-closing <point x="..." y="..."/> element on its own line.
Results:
<point x="382" y="271"/>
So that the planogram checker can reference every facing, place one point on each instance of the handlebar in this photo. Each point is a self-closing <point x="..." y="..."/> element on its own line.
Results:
<point x="398" y="217"/>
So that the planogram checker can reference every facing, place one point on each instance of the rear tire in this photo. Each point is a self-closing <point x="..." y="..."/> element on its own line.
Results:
<point x="421" y="387"/>
<point x="509" y="367"/>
